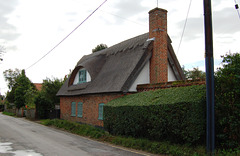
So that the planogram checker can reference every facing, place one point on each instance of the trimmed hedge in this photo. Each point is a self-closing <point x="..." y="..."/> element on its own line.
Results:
<point x="174" y="114"/>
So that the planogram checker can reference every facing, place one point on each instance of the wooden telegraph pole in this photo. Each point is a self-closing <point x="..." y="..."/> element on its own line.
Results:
<point x="209" y="64"/>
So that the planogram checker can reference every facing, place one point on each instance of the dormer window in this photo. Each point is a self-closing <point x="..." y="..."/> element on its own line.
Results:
<point x="82" y="76"/>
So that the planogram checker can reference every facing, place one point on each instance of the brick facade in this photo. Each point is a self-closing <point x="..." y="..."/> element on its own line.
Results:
<point x="158" y="30"/>
<point x="90" y="107"/>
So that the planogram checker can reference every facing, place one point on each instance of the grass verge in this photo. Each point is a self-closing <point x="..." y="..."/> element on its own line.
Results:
<point x="8" y="113"/>
<point x="146" y="145"/>
<point x="134" y="143"/>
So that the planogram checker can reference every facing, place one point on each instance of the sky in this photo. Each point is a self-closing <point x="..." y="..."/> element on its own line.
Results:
<point x="29" y="29"/>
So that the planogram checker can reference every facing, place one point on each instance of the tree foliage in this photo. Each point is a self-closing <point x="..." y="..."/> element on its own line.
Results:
<point x="195" y="74"/>
<point x="11" y="76"/>
<point x="30" y="97"/>
<point x="23" y="84"/>
<point x="2" y="50"/>
<point x="99" y="47"/>
<point x="227" y="82"/>
<point x="47" y="99"/>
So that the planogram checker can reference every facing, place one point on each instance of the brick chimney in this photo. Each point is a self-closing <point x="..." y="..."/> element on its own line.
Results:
<point x="158" y="30"/>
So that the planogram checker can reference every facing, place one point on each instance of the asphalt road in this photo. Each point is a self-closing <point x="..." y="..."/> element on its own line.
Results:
<point x="20" y="137"/>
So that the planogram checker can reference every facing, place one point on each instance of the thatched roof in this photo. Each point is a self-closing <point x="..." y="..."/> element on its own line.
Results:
<point x="113" y="70"/>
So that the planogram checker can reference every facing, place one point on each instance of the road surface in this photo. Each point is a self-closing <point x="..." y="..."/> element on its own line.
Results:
<point x="20" y="137"/>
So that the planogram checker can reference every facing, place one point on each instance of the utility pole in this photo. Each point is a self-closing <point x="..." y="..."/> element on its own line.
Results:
<point x="209" y="64"/>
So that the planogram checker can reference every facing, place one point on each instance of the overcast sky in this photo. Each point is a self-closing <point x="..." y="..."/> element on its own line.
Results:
<point x="31" y="28"/>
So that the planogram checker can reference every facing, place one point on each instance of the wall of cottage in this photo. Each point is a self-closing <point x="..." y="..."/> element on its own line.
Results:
<point x="171" y="76"/>
<point x="90" y="107"/>
<point x="144" y="77"/>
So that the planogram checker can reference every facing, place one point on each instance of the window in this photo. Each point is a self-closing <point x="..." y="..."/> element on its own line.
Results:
<point x="100" y="111"/>
<point x="82" y="76"/>
<point x="73" y="109"/>
<point x="80" y="109"/>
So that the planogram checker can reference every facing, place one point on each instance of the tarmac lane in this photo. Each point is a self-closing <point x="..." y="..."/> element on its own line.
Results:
<point x="20" y="137"/>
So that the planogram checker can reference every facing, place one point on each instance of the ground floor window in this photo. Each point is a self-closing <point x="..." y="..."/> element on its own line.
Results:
<point x="80" y="109"/>
<point x="100" y="111"/>
<point x="73" y="109"/>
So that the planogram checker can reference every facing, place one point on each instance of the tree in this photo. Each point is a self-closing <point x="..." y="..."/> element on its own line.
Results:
<point x="50" y="89"/>
<point x="195" y="74"/>
<point x="22" y="86"/>
<point x="47" y="99"/>
<point x="99" y="47"/>
<point x="11" y="76"/>
<point x="30" y="97"/>
<point x="2" y="50"/>
<point x="227" y="90"/>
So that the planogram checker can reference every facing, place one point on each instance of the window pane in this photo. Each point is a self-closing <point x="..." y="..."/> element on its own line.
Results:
<point x="73" y="109"/>
<point x="82" y="76"/>
<point x="80" y="109"/>
<point x="100" y="111"/>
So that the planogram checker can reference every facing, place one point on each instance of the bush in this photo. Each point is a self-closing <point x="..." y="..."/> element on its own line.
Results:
<point x="76" y="128"/>
<point x="175" y="114"/>
<point x="42" y="106"/>
<point x="227" y="82"/>
<point x="9" y="113"/>
<point x="130" y="142"/>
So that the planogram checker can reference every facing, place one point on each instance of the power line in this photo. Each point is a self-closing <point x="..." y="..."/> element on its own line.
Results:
<point x="126" y="19"/>
<point x="237" y="7"/>
<point x="66" y="36"/>
<point x="184" y="26"/>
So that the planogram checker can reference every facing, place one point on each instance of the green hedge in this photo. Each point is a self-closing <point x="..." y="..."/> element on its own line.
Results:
<point x="174" y="114"/>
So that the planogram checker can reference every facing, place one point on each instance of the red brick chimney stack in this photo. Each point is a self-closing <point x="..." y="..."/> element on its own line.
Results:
<point x="158" y="30"/>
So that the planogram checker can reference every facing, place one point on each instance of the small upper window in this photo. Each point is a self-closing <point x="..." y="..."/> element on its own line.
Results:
<point x="82" y="76"/>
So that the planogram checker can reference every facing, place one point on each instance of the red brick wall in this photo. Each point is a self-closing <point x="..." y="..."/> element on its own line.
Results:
<point x="158" y="29"/>
<point x="90" y="107"/>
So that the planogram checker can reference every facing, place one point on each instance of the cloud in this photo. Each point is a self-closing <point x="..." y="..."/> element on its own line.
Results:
<point x="193" y="29"/>
<point x="128" y="9"/>
<point x="8" y="31"/>
<point x="226" y="21"/>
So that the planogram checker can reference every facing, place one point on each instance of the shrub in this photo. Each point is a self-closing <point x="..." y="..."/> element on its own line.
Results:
<point x="130" y="142"/>
<point x="9" y="113"/>
<point x="42" y="106"/>
<point x="175" y="114"/>
<point x="80" y="129"/>
<point x="227" y="82"/>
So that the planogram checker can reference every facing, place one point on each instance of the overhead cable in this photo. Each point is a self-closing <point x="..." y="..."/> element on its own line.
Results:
<point x="66" y="36"/>
<point x="237" y="8"/>
<point x="184" y="26"/>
